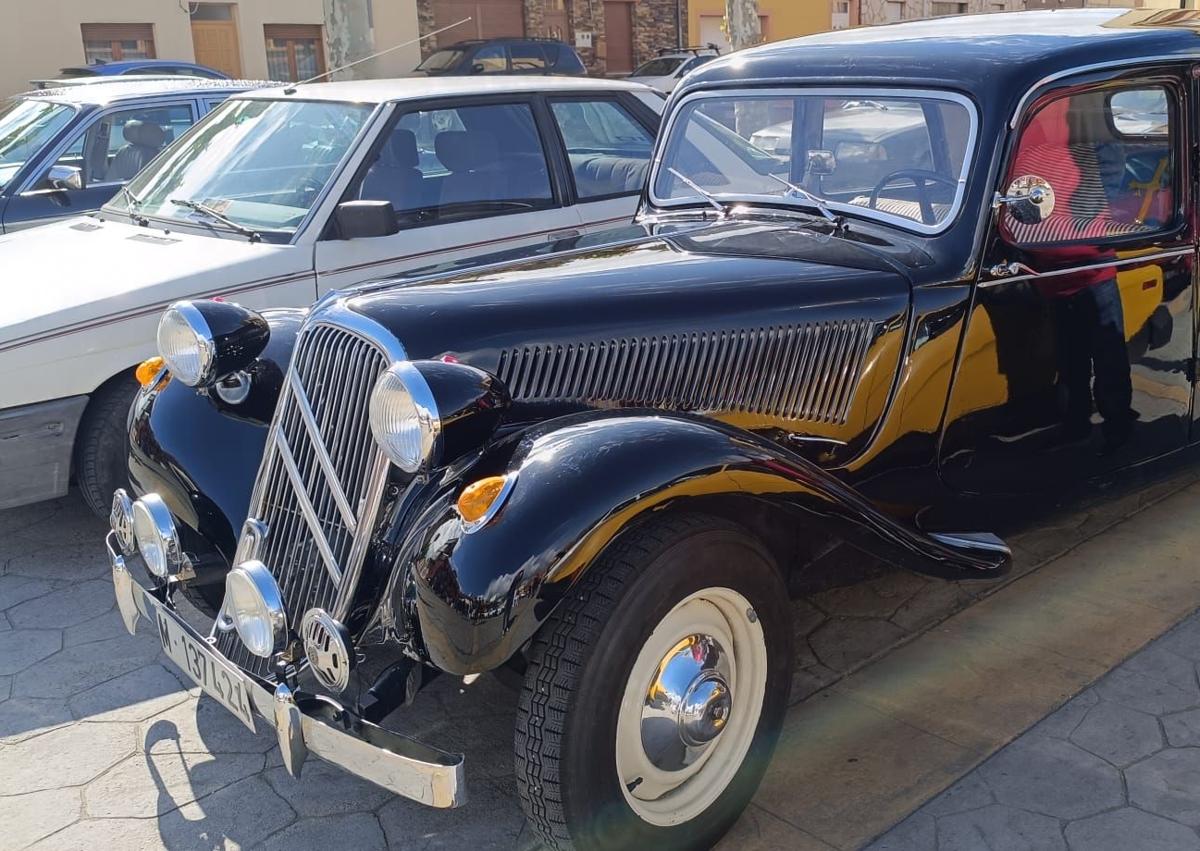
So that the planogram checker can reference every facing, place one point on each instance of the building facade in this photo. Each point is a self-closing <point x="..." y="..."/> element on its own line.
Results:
<point x="255" y="39"/>
<point x="866" y="12"/>
<point x="611" y="36"/>
<point x="778" y="19"/>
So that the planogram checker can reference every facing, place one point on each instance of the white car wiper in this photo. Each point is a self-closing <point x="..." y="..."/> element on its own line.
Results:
<point x="819" y="203"/>
<point x="251" y="233"/>
<point x="704" y="193"/>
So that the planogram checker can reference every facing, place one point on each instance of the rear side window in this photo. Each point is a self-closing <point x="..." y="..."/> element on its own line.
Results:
<point x="608" y="149"/>
<point x="1109" y="159"/>
<point x="564" y="60"/>
<point x="461" y="163"/>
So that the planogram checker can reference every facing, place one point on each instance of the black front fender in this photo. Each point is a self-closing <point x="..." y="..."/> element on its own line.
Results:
<point x="580" y="481"/>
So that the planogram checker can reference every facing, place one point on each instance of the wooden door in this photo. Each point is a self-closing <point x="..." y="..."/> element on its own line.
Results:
<point x="618" y="37"/>
<point x="488" y="19"/>
<point x="216" y="45"/>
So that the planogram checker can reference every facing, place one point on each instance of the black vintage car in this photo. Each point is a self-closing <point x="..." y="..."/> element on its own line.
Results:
<point x="604" y="468"/>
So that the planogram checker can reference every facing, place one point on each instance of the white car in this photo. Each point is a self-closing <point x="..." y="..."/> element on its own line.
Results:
<point x="670" y="66"/>
<point x="278" y="196"/>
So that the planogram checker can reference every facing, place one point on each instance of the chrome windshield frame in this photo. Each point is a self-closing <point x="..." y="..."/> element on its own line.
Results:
<point x="660" y="204"/>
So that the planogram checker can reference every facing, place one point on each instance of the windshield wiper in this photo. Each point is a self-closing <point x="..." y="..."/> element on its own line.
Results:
<point x="704" y="193"/>
<point x="251" y="233"/>
<point x="819" y="203"/>
<point x="133" y="203"/>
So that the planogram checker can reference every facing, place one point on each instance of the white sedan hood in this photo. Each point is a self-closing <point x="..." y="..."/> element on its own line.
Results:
<point x="69" y="274"/>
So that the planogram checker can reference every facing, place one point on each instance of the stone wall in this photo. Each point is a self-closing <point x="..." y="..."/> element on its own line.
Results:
<point x="425" y="24"/>
<point x="875" y="11"/>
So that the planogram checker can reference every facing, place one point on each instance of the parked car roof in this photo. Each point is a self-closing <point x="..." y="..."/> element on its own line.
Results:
<point x="996" y="57"/>
<point x="411" y="88"/>
<point x="128" y="66"/>
<point x="99" y="94"/>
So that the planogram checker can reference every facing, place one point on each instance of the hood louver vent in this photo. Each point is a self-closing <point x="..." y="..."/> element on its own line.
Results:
<point x="795" y="372"/>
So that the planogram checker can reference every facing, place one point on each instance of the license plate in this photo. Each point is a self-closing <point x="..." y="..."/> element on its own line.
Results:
<point x="217" y="678"/>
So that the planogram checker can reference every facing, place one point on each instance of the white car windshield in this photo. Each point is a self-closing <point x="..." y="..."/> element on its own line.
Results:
<point x="257" y="164"/>
<point x="25" y="128"/>
<point x="900" y="158"/>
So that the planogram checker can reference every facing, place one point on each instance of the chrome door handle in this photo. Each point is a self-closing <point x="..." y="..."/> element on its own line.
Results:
<point x="1010" y="268"/>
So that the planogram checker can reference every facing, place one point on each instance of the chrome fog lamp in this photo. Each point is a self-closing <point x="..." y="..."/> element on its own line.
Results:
<point x="186" y="344"/>
<point x="404" y="417"/>
<point x="120" y="520"/>
<point x="157" y="540"/>
<point x="255" y="606"/>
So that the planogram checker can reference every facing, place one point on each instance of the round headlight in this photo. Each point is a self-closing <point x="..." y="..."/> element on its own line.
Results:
<point x="404" y="418"/>
<point x="186" y="344"/>
<point x="154" y="530"/>
<point x="254" y="604"/>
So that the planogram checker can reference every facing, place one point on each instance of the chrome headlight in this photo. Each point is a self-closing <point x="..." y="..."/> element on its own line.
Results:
<point x="157" y="540"/>
<point x="404" y="417"/>
<point x="204" y="341"/>
<point x="255" y="606"/>
<point x="186" y="344"/>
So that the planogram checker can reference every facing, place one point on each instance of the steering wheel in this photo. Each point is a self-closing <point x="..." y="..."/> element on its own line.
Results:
<point x="921" y="180"/>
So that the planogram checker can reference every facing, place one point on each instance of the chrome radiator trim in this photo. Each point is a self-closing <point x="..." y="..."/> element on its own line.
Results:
<point x="321" y="479"/>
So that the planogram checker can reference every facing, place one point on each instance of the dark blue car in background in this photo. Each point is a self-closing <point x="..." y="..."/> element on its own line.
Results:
<point x="129" y="67"/>
<point x="66" y="151"/>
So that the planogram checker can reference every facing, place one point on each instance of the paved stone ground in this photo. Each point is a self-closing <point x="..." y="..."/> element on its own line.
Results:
<point x="104" y="745"/>
<point x="1115" y="769"/>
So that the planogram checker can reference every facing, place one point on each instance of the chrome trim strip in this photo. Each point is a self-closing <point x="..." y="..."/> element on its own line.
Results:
<point x="322" y="454"/>
<point x="306" y="509"/>
<point x="857" y="91"/>
<point x="1128" y="261"/>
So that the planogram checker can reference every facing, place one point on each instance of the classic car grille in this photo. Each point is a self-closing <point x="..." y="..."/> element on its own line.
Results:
<point x="321" y="479"/>
<point x="795" y="372"/>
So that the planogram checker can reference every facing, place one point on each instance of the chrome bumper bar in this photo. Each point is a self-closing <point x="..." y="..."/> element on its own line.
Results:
<point x="315" y="725"/>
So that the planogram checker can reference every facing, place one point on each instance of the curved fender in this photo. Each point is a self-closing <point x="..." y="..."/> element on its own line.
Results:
<point x="200" y="454"/>
<point x="581" y="480"/>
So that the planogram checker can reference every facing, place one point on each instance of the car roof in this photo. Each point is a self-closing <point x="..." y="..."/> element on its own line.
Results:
<point x="994" y="58"/>
<point x="414" y="88"/>
<point x="121" y="65"/>
<point x="101" y="94"/>
<point x="473" y="42"/>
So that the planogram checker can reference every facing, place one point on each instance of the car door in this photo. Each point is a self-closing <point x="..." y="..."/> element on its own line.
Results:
<point x="106" y="152"/>
<point x="1078" y="350"/>
<point x="608" y="141"/>
<point x="464" y="178"/>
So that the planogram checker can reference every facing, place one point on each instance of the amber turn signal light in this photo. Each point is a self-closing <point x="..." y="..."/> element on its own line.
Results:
<point x="478" y="497"/>
<point x="147" y="369"/>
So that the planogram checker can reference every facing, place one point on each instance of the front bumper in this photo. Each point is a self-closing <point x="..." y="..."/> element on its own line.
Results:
<point x="312" y="724"/>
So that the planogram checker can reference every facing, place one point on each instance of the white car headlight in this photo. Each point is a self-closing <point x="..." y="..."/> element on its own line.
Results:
<point x="154" y="531"/>
<point x="186" y="344"/>
<point x="404" y="417"/>
<point x="254" y="605"/>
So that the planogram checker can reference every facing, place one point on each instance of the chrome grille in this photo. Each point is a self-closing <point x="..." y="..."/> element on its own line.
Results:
<point x="320" y="481"/>
<point x="795" y="372"/>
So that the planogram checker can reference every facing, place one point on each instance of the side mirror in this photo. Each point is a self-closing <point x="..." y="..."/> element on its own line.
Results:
<point x="821" y="163"/>
<point x="1030" y="199"/>
<point x="65" y="177"/>
<point x="365" y="219"/>
<point x="478" y="68"/>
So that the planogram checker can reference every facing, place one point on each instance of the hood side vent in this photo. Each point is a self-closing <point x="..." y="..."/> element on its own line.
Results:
<point x="796" y="372"/>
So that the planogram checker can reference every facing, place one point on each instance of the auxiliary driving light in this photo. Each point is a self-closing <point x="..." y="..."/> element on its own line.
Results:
<point x="120" y="519"/>
<point x="154" y="531"/>
<point x="255" y="606"/>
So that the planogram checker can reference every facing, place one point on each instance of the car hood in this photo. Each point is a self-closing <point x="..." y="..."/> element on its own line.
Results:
<point x="82" y="270"/>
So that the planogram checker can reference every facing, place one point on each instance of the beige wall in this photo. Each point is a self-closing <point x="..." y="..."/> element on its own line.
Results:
<point x="38" y="37"/>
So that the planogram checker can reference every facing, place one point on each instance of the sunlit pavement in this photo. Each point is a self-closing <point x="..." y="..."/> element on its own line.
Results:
<point x="103" y="745"/>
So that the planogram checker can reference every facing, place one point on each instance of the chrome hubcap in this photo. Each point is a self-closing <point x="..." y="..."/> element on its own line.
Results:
<point x="688" y="703"/>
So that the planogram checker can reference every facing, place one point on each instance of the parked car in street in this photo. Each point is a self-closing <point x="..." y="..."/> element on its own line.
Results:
<point x="503" y="56"/>
<point x="64" y="152"/>
<point x="602" y="470"/>
<point x="75" y="74"/>
<point x="279" y="196"/>
<point x="664" y="71"/>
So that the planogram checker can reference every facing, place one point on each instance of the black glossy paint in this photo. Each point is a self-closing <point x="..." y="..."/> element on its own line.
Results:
<point x="624" y="401"/>
<point x="239" y="335"/>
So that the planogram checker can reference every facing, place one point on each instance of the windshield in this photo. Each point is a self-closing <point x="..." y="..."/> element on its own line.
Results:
<point x="25" y="128"/>
<point x="886" y="156"/>
<point x="440" y="61"/>
<point x="259" y="163"/>
<point x="658" y="67"/>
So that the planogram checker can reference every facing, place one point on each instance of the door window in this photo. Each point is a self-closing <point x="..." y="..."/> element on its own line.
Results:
<point x="528" y="58"/>
<point x="490" y="59"/>
<point x="461" y="163"/>
<point x="608" y="149"/>
<point x="1109" y="159"/>
<point x="118" y="145"/>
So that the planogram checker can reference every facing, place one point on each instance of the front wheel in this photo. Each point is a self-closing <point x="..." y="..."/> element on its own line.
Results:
<point x="655" y="693"/>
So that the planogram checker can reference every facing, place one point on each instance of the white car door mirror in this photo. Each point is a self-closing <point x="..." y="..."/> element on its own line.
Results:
<point x="365" y="219"/>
